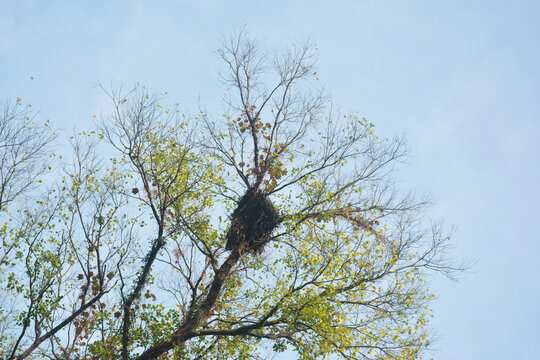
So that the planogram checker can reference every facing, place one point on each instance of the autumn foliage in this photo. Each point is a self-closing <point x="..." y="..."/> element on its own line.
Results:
<point x="273" y="227"/>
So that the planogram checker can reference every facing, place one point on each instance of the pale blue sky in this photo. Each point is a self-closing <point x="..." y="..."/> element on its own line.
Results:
<point x="460" y="78"/>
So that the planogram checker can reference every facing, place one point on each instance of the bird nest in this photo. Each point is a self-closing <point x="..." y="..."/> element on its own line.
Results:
<point x="252" y="222"/>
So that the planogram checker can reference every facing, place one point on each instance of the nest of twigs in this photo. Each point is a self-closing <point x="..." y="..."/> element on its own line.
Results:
<point x="252" y="222"/>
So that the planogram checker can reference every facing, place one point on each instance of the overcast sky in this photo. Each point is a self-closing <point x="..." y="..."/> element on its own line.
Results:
<point x="460" y="78"/>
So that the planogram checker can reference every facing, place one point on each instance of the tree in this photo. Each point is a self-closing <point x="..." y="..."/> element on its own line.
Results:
<point x="274" y="227"/>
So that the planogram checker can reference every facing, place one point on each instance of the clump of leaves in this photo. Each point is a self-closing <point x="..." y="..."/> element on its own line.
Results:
<point x="252" y="222"/>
